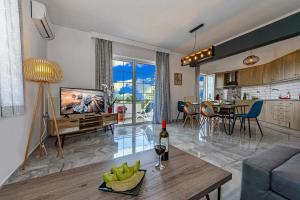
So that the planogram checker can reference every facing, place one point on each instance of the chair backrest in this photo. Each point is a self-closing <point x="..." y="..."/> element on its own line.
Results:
<point x="255" y="109"/>
<point x="149" y="107"/>
<point x="188" y="108"/>
<point x="207" y="109"/>
<point x="180" y="106"/>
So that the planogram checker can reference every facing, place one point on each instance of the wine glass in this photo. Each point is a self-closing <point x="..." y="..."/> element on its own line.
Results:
<point x="159" y="149"/>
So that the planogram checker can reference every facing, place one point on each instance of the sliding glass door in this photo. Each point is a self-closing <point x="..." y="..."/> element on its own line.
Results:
<point x="134" y="89"/>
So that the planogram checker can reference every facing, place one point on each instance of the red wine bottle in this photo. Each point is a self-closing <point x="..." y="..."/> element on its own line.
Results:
<point x="164" y="140"/>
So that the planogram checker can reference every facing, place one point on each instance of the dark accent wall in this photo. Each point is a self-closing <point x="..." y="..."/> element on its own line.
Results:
<point x="280" y="30"/>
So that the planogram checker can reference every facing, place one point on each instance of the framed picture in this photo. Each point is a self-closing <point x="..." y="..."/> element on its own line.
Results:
<point x="177" y="79"/>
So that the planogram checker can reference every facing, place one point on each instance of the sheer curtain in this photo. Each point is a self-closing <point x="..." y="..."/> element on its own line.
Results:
<point x="11" y="78"/>
<point x="162" y="108"/>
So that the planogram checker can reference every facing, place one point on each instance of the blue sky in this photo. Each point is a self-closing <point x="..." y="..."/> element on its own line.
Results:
<point x="122" y="78"/>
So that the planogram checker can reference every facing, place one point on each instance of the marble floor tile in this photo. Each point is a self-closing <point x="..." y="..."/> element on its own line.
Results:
<point x="214" y="146"/>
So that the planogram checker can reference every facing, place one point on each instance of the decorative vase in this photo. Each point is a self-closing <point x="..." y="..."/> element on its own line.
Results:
<point x="110" y="109"/>
<point x="121" y="117"/>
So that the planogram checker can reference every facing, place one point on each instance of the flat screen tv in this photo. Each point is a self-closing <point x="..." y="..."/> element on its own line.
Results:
<point x="80" y="101"/>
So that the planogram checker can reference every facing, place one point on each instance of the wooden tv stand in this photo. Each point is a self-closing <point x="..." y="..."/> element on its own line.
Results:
<point x="78" y="124"/>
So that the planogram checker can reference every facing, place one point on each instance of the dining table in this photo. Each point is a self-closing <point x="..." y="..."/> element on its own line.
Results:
<point x="227" y="112"/>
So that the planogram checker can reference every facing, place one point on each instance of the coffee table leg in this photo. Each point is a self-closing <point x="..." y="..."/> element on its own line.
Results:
<point x="207" y="197"/>
<point x="219" y="193"/>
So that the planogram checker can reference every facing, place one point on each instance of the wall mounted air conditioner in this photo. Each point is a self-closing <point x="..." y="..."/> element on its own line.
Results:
<point x="41" y="21"/>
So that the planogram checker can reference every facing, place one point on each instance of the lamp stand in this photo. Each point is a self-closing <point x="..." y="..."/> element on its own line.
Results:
<point x="39" y="101"/>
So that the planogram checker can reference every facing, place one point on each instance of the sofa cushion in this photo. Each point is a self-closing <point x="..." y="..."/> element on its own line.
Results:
<point x="257" y="170"/>
<point x="286" y="178"/>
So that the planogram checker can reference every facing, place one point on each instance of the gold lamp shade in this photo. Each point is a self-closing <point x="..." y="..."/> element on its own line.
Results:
<point x="42" y="70"/>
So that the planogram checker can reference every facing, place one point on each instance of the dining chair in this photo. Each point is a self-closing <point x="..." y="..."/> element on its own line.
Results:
<point x="253" y="113"/>
<point x="190" y="114"/>
<point x="180" y="106"/>
<point x="208" y="114"/>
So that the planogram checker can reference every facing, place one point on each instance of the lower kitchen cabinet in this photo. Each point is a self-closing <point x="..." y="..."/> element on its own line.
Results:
<point x="282" y="112"/>
<point x="295" y="121"/>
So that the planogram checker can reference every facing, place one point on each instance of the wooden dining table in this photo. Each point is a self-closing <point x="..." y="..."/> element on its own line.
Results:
<point x="227" y="112"/>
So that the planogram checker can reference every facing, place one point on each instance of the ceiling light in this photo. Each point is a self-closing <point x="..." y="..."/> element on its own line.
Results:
<point x="204" y="53"/>
<point x="251" y="60"/>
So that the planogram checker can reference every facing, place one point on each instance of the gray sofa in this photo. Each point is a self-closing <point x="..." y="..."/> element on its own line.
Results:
<point x="272" y="175"/>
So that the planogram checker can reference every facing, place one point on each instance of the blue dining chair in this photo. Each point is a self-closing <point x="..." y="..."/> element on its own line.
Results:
<point x="253" y="113"/>
<point x="180" y="106"/>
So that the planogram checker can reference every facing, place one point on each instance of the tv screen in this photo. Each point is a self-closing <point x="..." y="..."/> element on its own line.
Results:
<point x="79" y="101"/>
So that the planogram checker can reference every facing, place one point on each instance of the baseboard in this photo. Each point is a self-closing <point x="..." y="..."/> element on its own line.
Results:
<point x="5" y="179"/>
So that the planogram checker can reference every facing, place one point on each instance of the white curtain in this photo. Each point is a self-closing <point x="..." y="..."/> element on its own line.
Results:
<point x="103" y="56"/>
<point x="162" y="108"/>
<point x="197" y="76"/>
<point x="11" y="79"/>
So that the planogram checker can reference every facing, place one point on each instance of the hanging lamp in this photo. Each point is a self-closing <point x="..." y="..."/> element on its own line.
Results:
<point x="251" y="59"/>
<point x="197" y="56"/>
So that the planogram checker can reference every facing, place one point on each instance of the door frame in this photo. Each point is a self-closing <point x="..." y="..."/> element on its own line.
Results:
<point x="134" y="62"/>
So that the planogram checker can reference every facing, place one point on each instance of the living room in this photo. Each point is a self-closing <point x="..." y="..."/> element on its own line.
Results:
<point x="91" y="85"/>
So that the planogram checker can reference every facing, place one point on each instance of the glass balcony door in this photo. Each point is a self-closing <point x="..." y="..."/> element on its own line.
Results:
<point x="134" y="89"/>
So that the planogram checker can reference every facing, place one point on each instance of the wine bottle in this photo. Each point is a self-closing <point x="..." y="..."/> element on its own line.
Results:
<point x="164" y="140"/>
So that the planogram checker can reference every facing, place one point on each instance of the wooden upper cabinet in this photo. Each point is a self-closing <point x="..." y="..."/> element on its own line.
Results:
<point x="268" y="73"/>
<point x="297" y="64"/>
<point x="250" y="76"/>
<point x="288" y="63"/>
<point x="277" y="70"/>
<point x="258" y="75"/>
<point x="244" y="77"/>
<point x="219" y="80"/>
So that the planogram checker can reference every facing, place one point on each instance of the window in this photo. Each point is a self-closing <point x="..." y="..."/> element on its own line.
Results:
<point x="11" y="80"/>
<point x="210" y="87"/>
<point x="202" y="87"/>
<point x="134" y="88"/>
<point x="206" y="87"/>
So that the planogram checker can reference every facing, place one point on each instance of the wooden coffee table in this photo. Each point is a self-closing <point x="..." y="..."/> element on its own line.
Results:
<point x="185" y="177"/>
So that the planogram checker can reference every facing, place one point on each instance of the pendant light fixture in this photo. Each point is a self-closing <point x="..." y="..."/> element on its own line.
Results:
<point x="251" y="59"/>
<point x="197" y="56"/>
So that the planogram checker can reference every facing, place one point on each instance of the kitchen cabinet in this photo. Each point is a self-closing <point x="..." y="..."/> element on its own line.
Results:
<point x="295" y="120"/>
<point x="250" y="76"/>
<point x="268" y="73"/>
<point x="273" y="71"/>
<point x="219" y="80"/>
<point x="244" y="77"/>
<point x="297" y="64"/>
<point x="277" y="70"/>
<point x="288" y="63"/>
<point x="284" y="113"/>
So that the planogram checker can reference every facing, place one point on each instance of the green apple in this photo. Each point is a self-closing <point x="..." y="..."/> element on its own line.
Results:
<point x="108" y="177"/>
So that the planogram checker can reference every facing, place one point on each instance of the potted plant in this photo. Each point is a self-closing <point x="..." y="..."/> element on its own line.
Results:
<point x="121" y="113"/>
<point x="110" y="105"/>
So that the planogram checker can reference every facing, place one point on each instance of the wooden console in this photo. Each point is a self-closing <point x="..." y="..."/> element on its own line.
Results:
<point x="77" y="124"/>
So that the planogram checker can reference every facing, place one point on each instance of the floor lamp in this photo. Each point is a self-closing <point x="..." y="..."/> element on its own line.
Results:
<point x="43" y="72"/>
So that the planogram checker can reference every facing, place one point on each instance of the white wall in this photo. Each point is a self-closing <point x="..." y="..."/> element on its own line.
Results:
<point x="14" y="131"/>
<point x="74" y="51"/>
<point x="178" y="92"/>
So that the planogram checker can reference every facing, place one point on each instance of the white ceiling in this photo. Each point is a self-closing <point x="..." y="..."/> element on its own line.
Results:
<point x="165" y="23"/>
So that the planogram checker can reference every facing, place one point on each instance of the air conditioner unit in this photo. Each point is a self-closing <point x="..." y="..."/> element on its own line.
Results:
<point x="41" y="21"/>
